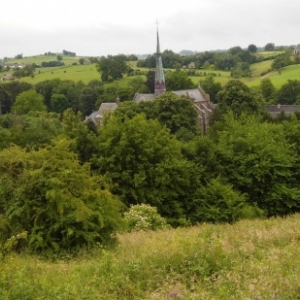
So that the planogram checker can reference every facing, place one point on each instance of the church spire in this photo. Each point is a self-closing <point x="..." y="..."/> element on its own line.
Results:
<point x="160" y="86"/>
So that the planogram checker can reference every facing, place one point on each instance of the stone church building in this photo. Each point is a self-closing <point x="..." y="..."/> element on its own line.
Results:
<point x="199" y="98"/>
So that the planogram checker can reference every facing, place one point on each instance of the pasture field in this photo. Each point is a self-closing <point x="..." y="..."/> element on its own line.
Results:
<point x="268" y="53"/>
<point x="86" y="73"/>
<point x="261" y="67"/>
<point x="221" y="76"/>
<point x="251" y="259"/>
<point x="38" y="59"/>
<point x="285" y="74"/>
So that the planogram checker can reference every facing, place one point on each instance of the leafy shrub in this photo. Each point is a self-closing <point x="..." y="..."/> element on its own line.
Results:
<point x="51" y="196"/>
<point x="144" y="217"/>
<point x="219" y="202"/>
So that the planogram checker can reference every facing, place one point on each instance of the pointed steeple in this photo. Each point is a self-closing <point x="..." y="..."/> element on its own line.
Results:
<point x="160" y="86"/>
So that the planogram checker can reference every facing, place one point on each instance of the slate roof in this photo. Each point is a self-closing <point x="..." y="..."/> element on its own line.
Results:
<point x="97" y="116"/>
<point x="143" y="97"/>
<point x="274" y="110"/>
<point x="194" y="94"/>
<point x="107" y="107"/>
<point x="197" y="95"/>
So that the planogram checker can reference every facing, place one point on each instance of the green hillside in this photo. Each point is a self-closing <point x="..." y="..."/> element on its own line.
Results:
<point x="38" y="59"/>
<point x="86" y="73"/>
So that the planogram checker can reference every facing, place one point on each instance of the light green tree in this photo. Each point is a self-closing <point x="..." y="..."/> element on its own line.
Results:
<point x="29" y="101"/>
<point x="51" y="196"/>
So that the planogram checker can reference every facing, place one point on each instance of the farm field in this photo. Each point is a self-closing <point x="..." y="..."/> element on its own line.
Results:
<point x="251" y="259"/>
<point x="38" y="59"/>
<point x="86" y="73"/>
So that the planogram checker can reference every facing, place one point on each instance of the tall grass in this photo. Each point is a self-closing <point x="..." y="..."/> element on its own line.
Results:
<point x="248" y="260"/>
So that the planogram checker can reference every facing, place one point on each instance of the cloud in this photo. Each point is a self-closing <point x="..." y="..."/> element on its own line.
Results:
<point x="97" y="28"/>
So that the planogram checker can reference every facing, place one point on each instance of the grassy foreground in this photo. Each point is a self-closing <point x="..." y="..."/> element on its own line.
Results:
<point x="248" y="260"/>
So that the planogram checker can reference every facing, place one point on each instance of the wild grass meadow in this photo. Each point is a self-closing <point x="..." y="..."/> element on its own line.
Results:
<point x="253" y="259"/>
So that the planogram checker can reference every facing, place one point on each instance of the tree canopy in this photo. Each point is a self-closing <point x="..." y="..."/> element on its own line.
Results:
<point x="29" y="101"/>
<point x="112" y="67"/>
<point x="51" y="197"/>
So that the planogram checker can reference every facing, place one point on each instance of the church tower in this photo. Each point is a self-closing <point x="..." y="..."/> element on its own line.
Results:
<point x="160" y="86"/>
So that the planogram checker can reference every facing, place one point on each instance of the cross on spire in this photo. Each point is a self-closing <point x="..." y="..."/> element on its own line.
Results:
<point x="157" y="23"/>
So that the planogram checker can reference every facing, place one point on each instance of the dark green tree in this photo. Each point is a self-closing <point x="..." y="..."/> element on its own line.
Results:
<point x="211" y="87"/>
<point x="258" y="161"/>
<point x="59" y="103"/>
<point x="9" y="91"/>
<point x="71" y="90"/>
<point x="170" y="59"/>
<point x="47" y="88"/>
<point x="289" y="92"/>
<point x="270" y="47"/>
<point x="150" y="80"/>
<point x="268" y="90"/>
<point x="178" y="80"/>
<point x="145" y="164"/>
<point x="178" y="114"/>
<point x="138" y="85"/>
<point x="219" y="202"/>
<point x="238" y="97"/>
<point x="112" y="68"/>
<point x="241" y="69"/>
<point x="87" y="100"/>
<point x="252" y="48"/>
<point x="282" y="60"/>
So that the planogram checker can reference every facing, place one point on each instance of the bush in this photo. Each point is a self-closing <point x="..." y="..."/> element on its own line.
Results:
<point x="218" y="202"/>
<point x="53" y="198"/>
<point x="144" y="217"/>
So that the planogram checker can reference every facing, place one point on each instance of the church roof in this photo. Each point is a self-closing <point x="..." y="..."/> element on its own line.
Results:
<point x="143" y="97"/>
<point x="197" y="95"/>
<point x="107" y="107"/>
<point x="274" y="110"/>
<point x="194" y="94"/>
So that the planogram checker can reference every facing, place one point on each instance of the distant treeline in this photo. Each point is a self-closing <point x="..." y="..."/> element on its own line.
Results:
<point x="53" y="63"/>
<point x="69" y="53"/>
<point x="225" y="60"/>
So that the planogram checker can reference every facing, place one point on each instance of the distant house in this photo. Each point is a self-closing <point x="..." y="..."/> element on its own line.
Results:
<point x="14" y="66"/>
<point x="297" y="49"/>
<point x="97" y="117"/>
<point x="278" y="109"/>
<point x="192" y="65"/>
<point x="7" y="77"/>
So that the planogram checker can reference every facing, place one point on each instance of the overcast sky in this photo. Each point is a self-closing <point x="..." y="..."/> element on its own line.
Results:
<point x="98" y="27"/>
